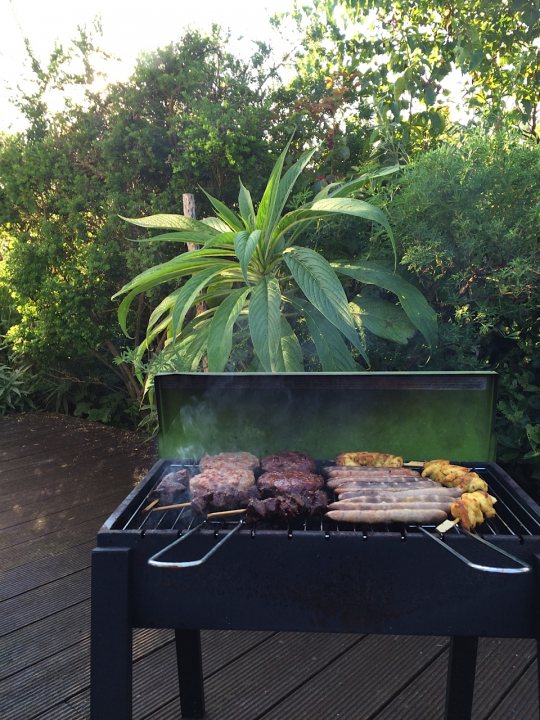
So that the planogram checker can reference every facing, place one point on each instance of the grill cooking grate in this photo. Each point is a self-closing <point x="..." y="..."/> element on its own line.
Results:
<point x="513" y="518"/>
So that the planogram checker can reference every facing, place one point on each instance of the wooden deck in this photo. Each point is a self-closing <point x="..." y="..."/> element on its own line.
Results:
<point x="59" y="479"/>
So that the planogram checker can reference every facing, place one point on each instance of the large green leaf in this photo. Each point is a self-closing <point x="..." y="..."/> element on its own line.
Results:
<point x="224" y="240"/>
<point x="164" y="306"/>
<point x="265" y="322"/>
<point x="148" y="280"/>
<point x="267" y="207"/>
<point x="247" y="211"/>
<point x="382" y="318"/>
<point x="151" y="335"/>
<point x="412" y="301"/>
<point x="184" y="236"/>
<point x="172" y="222"/>
<point x="227" y="215"/>
<point x="216" y="223"/>
<point x="221" y="329"/>
<point x="188" y="295"/>
<point x="357" y="208"/>
<point x="291" y="350"/>
<point x="286" y="185"/>
<point x="184" y="264"/>
<point x="329" y="344"/>
<point x="245" y="245"/>
<point x="337" y="190"/>
<point x="321" y="286"/>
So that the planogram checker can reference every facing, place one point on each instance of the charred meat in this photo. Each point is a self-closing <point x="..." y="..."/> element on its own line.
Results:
<point x="288" y="460"/>
<point x="282" y="508"/>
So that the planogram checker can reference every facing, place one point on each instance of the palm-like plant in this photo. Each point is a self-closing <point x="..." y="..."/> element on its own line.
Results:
<point x="255" y="280"/>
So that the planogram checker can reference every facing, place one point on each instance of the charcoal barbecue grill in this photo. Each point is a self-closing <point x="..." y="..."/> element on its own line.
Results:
<point x="176" y="569"/>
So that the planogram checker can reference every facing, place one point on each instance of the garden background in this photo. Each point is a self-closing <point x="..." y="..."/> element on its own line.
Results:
<point x="367" y="87"/>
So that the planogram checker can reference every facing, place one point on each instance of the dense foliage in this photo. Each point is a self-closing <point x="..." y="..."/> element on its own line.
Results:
<point x="64" y="183"/>
<point x="368" y="88"/>
<point x="467" y="223"/>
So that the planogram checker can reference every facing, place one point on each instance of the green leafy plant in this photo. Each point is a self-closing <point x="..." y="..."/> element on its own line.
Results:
<point x="263" y="290"/>
<point x="17" y="383"/>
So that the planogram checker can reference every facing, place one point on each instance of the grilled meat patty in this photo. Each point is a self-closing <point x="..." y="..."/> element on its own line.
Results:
<point x="243" y="459"/>
<point x="231" y="476"/>
<point x="222" y="498"/>
<point x="286" y="482"/>
<point x="287" y="507"/>
<point x="288" y="460"/>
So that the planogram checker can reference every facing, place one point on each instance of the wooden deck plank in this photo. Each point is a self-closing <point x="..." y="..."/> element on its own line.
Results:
<point x="155" y="682"/>
<point x="43" y="601"/>
<point x="57" y="522"/>
<point x="365" y="677"/>
<point x="32" y="575"/>
<point x="519" y="703"/>
<point x="500" y="664"/>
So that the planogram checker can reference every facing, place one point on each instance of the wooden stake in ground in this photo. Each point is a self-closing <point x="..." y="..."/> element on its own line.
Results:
<point x="188" y="202"/>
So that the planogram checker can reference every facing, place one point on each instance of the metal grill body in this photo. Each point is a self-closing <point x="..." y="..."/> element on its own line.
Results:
<point x="313" y="576"/>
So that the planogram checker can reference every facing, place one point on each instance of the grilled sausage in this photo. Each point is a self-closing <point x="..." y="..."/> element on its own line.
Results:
<point x="346" y="487"/>
<point x="409" y="515"/>
<point x="415" y="504"/>
<point x="398" y="495"/>
<point x="340" y="471"/>
<point x="335" y="482"/>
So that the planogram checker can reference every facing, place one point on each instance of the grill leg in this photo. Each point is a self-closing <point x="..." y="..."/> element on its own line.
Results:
<point x="461" y="673"/>
<point x="190" y="674"/>
<point x="111" y="637"/>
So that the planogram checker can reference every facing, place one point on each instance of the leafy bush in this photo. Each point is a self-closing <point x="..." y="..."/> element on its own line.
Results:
<point x="466" y="221"/>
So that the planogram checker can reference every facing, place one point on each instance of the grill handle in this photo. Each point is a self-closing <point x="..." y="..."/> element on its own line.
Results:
<point x="155" y="562"/>
<point x="523" y="567"/>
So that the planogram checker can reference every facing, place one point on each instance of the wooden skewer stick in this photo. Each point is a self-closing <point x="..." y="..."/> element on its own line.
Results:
<point x="171" y="507"/>
<point x="151" y="505"/>
<point x="226" y="512"/>
<point x="414" y="463"/>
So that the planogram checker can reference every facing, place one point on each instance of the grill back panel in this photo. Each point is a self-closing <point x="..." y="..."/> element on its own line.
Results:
<point x="416" y="415"/>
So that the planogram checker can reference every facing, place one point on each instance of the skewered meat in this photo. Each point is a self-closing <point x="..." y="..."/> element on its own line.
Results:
<point x="448" y="475"/>
<point x="372" y="459"/>
<point x="243" y="459"/>
<point x="281" y="482"/>
<point x="394" y="514"/>
<point x="472" y="509"/>
<point x="223" y="497"/>
<point x="288" y="460"/>
<point x="175" y="481"/>
<point x="282" y="508"/>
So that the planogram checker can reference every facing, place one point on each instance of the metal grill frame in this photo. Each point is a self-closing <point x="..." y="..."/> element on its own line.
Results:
<point x="339" y="581"/>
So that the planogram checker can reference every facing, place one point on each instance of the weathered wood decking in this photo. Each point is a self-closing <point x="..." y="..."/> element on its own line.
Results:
<point x="59" y="479"/>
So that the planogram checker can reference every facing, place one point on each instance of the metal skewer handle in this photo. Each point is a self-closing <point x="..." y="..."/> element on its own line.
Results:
<point x="155" y="562"/>
<point x="523" y="567"/>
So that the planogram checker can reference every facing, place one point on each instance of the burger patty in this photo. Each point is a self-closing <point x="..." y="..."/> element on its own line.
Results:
<point x="232" y="476"/>
<point x="242" y="459"/>
<point x="285" y="482"/>
<point x="288" y="460"/>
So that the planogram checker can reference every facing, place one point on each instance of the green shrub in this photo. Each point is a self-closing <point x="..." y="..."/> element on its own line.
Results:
<point x="466" y="221"/>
